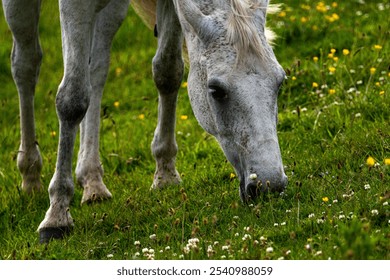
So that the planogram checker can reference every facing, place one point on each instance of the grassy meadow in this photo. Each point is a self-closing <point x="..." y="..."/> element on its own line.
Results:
<point x="334" y="135"/>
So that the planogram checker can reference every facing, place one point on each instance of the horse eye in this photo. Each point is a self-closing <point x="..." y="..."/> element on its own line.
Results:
<point x="218" y="93"/>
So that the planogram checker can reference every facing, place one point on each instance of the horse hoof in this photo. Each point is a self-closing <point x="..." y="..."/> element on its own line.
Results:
<point x="47" y="234"/>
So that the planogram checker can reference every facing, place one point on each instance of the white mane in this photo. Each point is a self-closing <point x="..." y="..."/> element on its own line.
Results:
<point x="241" y="28"/>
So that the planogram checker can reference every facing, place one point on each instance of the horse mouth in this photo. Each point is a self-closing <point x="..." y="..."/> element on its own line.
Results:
<point x="249" y="192"/>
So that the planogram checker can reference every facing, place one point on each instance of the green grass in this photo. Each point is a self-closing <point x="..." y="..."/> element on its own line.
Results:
<point x="333" y="115"/>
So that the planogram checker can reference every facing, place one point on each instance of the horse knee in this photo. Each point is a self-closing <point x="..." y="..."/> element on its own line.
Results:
<point x="72" y="100"/>
<point x="167" y="73"/>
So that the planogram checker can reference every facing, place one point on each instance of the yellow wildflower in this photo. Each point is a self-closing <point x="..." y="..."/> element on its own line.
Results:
<point x="141" y="116"/>
<point x="387" y="161"/>
<point x="116" y="104"/>
<point x="184" y="117"/>
<point x="345" y="52"/>
<point x="232" y="175"/>
<point x="372" y="70"/>
<point x="330" y="55"/>
<point x="335" y="58"/>
<point x="305" y="7"/>
<point x="282" y="14"/>
<point x="334" y="4"/>
<point x="332" y="69"/>
<point x="315" y="85"/>
<point x="315" y="59"/>
<point x="184" y="85"/>
<point x="335" y="16"/>
<point x="370" y="161"/>
<point x="304" y="19"/>
<point x="293" y="78"/>
<point x="321" y="7"/>
<point x="325" y="199"/>
<point x="332" y="50"/>
<point x="118" y="71"/>
<point x="377" y="47"/>
<point x="53" y="133"/>
<point x="332" y="91"/>
<point x="382" y="92"/>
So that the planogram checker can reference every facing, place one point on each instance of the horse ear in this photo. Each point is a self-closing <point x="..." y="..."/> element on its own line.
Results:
<point x="189" y="12"/>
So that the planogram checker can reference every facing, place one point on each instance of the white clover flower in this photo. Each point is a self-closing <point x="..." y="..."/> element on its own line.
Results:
<point x="236" y="234"/>
<point x="151" y="251"/>
<point x="318" y="253"/>
<point x="186" y="250"/>
<point x="276" y="224"/>
<point x="335" y="201"/>
<point x="137" y="243"/>
<point x="153" y="237"/>
<point x="137" y="254"/>
<point x="269" y="250"/>
<point x="320" y="221"/>
<point x="253" y="176"/>
<point x="288" y="211"/>
<point x="311" y="215"/>
<point x="145" y="250"/>
<point x="181" y="257"/>
<point x="342" y="216"/>
<point x="210" y="251"/>
<point x="225" y="248"/>
<point x="283" y="223"/>
<point x="246" y="237"/>
<point x="263" y="239"/>
<point x="223" y="257"/>
<point x="367" y="186"/>
<point x="110" y="256"/>
<point x="167" y="248"/>
<point x="288" y="252"/>
<point x="385" y="203"/>
<point x="374" y="212"/>
<point x="193" y="241"/>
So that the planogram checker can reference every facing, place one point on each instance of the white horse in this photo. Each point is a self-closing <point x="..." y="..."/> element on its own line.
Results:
<point x="233" y="83"/>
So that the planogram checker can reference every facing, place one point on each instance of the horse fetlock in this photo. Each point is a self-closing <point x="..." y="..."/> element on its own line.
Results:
<point x="29" y="163"/>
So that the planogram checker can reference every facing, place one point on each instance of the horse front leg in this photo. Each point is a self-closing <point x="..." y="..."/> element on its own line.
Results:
<point x="22" y="17"/>
<point x="77" y="21"/>
<point x="89" y="171"/>
<point x="168" y="69"/>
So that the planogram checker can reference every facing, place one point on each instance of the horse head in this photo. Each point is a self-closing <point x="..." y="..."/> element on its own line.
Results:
<point x="233" y="86"/>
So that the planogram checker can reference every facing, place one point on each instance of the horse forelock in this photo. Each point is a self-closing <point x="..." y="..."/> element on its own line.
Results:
<point x="242" y="31"/>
